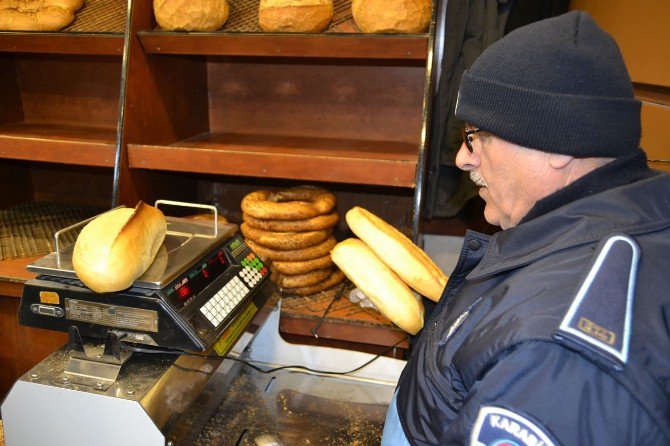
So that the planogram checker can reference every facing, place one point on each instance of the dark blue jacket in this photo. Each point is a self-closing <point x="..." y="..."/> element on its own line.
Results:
<point x="499" y="358"/>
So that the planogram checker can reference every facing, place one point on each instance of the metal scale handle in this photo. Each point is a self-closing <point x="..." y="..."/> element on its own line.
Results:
<point x="59" y="233"/>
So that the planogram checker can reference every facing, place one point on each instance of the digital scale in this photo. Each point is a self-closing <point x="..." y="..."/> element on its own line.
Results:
<point x="150" y="365"/>
<point x="203" y="277"/>
<point x="201" y="293"/>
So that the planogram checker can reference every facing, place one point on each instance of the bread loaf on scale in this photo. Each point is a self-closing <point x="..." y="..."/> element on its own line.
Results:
<point x="117" y="247"/>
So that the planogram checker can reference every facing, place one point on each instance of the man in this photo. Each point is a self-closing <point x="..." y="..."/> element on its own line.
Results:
<point x="555" y="331"/>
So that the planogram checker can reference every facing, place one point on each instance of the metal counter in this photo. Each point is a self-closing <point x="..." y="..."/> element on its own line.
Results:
<point x="297" y="409"/>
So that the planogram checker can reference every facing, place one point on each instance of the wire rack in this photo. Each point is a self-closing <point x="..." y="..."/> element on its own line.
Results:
<point x="329" y="305"/>
<point x="100" y="16"/>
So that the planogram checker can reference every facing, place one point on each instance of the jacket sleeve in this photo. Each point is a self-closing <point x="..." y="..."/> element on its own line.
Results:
<point x="540" y="388"/>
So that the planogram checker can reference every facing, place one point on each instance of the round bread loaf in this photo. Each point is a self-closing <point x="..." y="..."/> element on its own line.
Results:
<point x="391" y="16"/>
<point x="191" y="15"/>
<point x="47" y="18"/>
<point x="298" y="16"/>
<point x="377" y="281"/>
<point x="118" y="246"/>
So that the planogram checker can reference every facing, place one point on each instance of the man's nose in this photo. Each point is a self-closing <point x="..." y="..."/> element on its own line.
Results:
<point x="464" y="159"/>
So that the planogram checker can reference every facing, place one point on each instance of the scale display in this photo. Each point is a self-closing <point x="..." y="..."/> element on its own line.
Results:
<point x="197" y="279"/>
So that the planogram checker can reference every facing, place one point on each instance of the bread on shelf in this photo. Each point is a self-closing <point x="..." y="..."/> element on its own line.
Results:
<point x="392" y="16"/>
<point x="37" y="15"/>
<point x="297" y="16"/>
<point x="191" y="15"/>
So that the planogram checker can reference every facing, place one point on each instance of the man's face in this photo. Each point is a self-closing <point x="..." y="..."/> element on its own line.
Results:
<point x="511" y="178"/>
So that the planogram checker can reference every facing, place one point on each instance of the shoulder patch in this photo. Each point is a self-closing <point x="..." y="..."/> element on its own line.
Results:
<point x="496" y="426"/>
<point x="600" y="316"/>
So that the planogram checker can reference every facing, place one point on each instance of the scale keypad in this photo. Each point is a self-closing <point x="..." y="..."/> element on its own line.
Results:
<point x="222" y="303"/>
<point x="253" y="269"/>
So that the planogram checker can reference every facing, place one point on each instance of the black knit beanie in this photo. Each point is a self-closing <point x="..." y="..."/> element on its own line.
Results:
<point x="558" y="85"/>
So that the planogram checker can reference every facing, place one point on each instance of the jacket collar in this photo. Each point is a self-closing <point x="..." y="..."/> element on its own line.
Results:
<point x="630" y="209"/>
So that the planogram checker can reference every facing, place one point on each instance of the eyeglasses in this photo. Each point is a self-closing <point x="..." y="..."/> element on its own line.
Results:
<point x="467" y="137"/>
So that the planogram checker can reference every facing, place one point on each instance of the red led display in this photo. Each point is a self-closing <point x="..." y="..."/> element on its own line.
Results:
<point x="184" y="291"/>
<point x="200" y="277"/>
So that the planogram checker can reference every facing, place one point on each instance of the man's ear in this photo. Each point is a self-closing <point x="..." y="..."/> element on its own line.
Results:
<point x="559" y="161"/>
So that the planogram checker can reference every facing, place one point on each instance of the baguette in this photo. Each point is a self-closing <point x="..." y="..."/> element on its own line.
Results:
<point x="117" y="247"/>
<point x="378" y="282"/>
<point x="405" y="258"/>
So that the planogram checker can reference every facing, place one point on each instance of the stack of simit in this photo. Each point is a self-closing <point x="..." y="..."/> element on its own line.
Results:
<point x="294" y="229"/>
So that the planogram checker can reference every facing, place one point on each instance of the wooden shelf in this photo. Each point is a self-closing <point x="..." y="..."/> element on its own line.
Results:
<point x="13" y="275"/>
<point x="301" y="158"/>
<point x="97" y="29"/>
<point x="352" y="46"/>
<point x="88" y="146"/>
<point x="62" y="43"/>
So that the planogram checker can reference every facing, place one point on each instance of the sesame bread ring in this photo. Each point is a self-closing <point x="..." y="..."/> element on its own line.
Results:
<point x="292" y="268"/>
<point x="307" y="279"/>
<point x="284" y="240"/>
<point x="288" y="204"/>
<point x="317" y="223"/>
<point x="336" y="278"/>
<point x="294" y="255"/>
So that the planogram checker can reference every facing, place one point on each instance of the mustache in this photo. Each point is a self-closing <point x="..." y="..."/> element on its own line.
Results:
<point x="477" y="178"/>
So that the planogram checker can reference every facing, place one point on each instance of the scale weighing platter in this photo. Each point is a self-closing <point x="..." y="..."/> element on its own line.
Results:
<point x="185" y="242"/>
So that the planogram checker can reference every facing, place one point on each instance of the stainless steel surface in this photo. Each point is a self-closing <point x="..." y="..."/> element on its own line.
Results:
<point x="186" y="241"/>
<point x="93" y="368"/>
<point x="34" y="414"/>
<point x="160" y="399"/>
<point x="150" y="390"/>
<point x="297" y="409"/>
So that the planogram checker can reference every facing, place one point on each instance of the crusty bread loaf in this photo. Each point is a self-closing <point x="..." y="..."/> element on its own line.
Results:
<point x="46" y="18"/>
<point x="398" y="252"/>
<point x="299" y="16"/>
<point x="377" y="281"/>
<point x="391" y="16"/>
<point x="117" y="247"/>
<point x="191" y="15"/>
